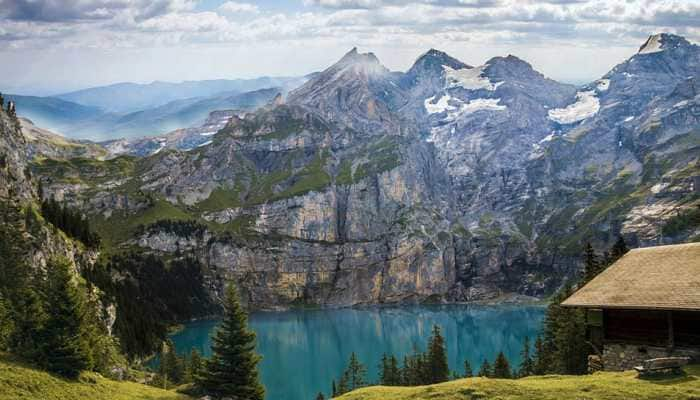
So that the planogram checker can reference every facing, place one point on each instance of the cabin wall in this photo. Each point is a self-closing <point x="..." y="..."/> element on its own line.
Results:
<point x="622" y="357"/>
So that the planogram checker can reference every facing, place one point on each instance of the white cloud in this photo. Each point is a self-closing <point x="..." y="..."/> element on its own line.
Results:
<point x="236" y="7"/>
<point x="540" y="31"/>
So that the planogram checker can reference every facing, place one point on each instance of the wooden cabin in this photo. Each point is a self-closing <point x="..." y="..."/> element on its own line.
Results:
<point x="646" y="305"/>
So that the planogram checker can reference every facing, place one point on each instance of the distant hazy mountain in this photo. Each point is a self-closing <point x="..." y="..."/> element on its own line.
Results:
<point x="53" y="113"/>
<point x="131" y="97"/>
<point x="174" y="115"/>
<point x="83" y="122"/>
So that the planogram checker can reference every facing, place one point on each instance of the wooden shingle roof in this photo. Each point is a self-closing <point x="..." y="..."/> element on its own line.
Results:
<point x="657" y="278"/>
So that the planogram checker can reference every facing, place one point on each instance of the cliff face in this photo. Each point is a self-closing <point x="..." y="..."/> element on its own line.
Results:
<point x="20" y="203"/>
<point x="447" y="183"/>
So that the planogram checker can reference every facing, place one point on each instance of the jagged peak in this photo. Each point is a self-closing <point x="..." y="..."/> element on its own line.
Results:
<point x="662" y="41"/>
<point x="354" y="57"/>
<point x="434" y="57"/>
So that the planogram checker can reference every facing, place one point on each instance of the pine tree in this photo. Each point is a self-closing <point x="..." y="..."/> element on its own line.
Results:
<point x="334" y="390"/>
<point x="468" y="373"/>
<point x="438" y="369"/>
<point x="618" y="250"/>
<point x="540" y="361"/>
<point x="354" y="375"/>
<point x="485" y="370"/>
<point x="65" y="348"/>
<point x="171" y="368"/>
<point x="384" y="370"/>
<point x="6" y="323"/>
<point x="389" y="372"/>
<point x="526" y="363"/>
<point x="591" y="264"/>
<point x="394" y="378"/>
<point x="194" y="366"/>
<point x="232" y="369"/>
<point x="501" y="367"/>
<point x="320" y="396"/>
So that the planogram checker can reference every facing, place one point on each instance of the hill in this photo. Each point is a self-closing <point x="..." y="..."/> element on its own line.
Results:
<point x="19" y="381"/>
<point x="601" y="385"/>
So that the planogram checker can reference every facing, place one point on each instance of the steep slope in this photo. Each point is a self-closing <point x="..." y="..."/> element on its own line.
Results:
<point x="636" y="151"/>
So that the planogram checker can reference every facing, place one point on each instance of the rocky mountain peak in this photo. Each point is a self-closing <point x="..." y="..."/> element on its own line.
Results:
<point x="435" y="61"/>
<point x="359" y="63"/>
<point x="510" y="66"/>
<point x="663" y="41"/>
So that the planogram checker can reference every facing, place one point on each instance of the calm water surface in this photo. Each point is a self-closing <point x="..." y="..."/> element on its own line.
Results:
<point x="303" y="350"/>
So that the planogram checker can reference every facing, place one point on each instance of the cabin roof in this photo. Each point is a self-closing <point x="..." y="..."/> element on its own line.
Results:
<point x="654" y="278"/>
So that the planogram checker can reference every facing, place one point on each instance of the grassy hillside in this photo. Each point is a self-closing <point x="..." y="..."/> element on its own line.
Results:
<point x="600" y="386"/>
<point x="19" y="381"/>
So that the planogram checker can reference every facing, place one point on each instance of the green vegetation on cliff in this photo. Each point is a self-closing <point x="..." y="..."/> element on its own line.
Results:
<point x="599" y="386"/>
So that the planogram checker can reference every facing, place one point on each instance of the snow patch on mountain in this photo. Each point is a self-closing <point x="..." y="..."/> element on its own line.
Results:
<point x="441" y="106"/>
<point x="586" y="105"/>
<point x="469" y="78"/>
<point x="481" y="105"/>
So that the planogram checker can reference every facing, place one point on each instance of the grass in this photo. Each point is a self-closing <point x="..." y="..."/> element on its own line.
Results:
<point x="20" y="381"/>
<point x="599" y="386"/>
<point x="120" y="226"/>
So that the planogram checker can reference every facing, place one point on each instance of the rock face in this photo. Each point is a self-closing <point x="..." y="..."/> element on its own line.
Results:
<point x="444" y="183"/>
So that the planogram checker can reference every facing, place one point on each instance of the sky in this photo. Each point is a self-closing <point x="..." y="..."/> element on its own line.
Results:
<point x="53" y="46"/>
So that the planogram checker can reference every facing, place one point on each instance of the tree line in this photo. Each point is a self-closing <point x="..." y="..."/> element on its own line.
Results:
<point x="71" y="221"/>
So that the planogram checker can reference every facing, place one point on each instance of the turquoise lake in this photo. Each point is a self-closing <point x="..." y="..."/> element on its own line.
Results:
<point x="304" y="350"/>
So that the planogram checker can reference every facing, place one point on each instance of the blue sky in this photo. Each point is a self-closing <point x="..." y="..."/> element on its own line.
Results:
<point x="49" y="46"/>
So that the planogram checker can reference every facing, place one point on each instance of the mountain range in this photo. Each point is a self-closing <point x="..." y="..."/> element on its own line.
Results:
<point x="448" y="182"/>
<point x="138" y="110"/>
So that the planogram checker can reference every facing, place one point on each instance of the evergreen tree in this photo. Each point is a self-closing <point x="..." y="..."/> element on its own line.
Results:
<point x="171" y="368"/>
<point x="6" y="324"/>
<point x="232" y="370"/>
<point x="394" y="378"/>
<point x="437" y="367"/>
<point x="468" y="373"/>
<point x="65" y="348"/>
<point x="526" y="364"/>
<point x="618" y="250"/>
<point x="591" y="266"/>
<point x="194" y="366"/>
<point x="501" y="367"/>
<point x="565" y="347"/>
<point x="485" y="370"/>
<point x="334" y="390"/>
<point x="320" y="396"/>
<point x="354" y="376"/>
<point x="540" y="362"/>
